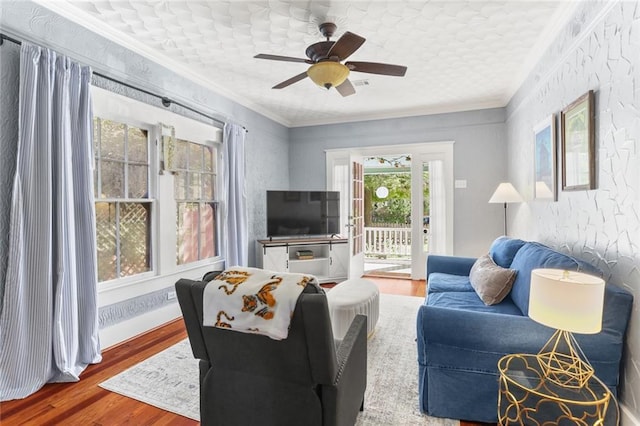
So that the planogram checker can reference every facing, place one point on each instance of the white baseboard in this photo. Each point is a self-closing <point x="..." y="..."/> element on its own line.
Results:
<point x="127" y="329"/>
<point x="627" y="418"/>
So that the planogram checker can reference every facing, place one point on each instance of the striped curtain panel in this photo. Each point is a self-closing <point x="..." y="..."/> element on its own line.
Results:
<point x="49" y="320"/>
<point x="236" y="216"/>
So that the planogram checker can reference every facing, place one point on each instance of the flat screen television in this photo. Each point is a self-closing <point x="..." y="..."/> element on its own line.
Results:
<point x="303" y="213"/>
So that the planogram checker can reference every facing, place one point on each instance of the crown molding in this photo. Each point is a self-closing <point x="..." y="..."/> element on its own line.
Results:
<point x="406" y="113"/>
<point x="564" y="55"/>
<point x="556" y="24"/>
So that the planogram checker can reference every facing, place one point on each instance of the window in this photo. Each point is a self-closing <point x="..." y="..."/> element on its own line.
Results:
<point x="196" y="206"/>
<point x="123" y="206"/>
<point x="153" y="224"/>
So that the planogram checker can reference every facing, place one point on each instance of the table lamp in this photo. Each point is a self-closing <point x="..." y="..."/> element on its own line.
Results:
<point x="505" y="193"/>
<point x="570" y="302"/>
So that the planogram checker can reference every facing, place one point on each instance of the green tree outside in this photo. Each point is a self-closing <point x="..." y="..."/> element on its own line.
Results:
<point x="396" y="207"/>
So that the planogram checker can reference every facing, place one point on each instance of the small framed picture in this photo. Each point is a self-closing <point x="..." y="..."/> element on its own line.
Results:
<point x="544" y="157"/>
<point x="577" y="123"/>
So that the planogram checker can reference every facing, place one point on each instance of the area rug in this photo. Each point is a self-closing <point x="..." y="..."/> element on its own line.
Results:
<point x="169" y="380"/>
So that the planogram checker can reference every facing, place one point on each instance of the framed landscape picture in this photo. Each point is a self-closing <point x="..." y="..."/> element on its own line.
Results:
<point x="545" y="149"/>
<point x="578" y="144"/>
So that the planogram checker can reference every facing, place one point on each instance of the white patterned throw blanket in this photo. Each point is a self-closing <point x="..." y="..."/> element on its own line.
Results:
<point x="252" y="300"/>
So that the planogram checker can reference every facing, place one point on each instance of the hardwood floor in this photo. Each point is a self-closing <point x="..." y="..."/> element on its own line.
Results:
<point x="85" y="403"/>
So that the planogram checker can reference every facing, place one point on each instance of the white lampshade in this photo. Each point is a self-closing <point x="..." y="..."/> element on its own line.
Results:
<point x="505" y="193"/>
<point x="567" y="300"/>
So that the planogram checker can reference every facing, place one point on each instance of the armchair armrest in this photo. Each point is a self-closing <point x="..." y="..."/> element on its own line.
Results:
<point x="455" y="265"/>
<point x="353" y="348"/>
<point x="350" y="382"/>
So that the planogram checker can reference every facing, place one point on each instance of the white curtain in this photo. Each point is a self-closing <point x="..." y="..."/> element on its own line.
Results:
<point x="437" y="209"/>
<point x="49" y="320"/>
<point x="236" y="217"/>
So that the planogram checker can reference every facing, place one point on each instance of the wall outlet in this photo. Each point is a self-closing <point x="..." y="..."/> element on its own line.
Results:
<point x="460" y="183"/>
<point x="171" y="295"/>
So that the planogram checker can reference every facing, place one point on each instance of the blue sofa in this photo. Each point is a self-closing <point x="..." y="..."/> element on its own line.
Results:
<point x="460" y="339"/>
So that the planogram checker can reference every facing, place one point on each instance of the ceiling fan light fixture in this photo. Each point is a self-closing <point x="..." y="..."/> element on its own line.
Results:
<point x="328" y="74"/>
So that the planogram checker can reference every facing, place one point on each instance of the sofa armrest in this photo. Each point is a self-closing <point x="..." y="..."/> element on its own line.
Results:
<point x="455" y="265"/>
<point x="503" y="334"/>
<point x="481" y="331"/>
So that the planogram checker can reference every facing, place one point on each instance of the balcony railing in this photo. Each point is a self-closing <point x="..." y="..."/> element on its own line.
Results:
<point x="384" y="242"/>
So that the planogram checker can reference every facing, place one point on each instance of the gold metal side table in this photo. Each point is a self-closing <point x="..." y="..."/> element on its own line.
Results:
<point x="526" y="398"/>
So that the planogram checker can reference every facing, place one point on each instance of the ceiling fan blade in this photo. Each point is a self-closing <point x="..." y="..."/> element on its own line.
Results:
<point x="346" y="45"/>
<point x="377" y="68"/>
<point x="346" y="88"/>
<point x="290" y="81"/>
<point x="282" y="58"/>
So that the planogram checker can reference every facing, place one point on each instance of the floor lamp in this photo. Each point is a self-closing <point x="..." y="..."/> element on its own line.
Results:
<point x="505" y="193"/>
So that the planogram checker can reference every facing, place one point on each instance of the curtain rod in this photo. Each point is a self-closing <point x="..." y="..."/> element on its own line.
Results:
<point x="166" y="102"/>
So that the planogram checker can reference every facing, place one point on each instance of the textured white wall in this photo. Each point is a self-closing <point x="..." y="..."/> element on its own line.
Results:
<point x="599" y="50"/>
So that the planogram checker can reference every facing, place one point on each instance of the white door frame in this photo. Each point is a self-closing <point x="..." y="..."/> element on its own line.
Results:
<point x="442" y="150"/>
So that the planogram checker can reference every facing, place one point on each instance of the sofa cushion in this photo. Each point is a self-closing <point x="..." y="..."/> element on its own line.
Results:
<point x="535" y="255"/>
<point x="440" y="282"/>
<point x="469" y="300"/>
<point x="504" y="249"/>
<point x="491" y="282"/>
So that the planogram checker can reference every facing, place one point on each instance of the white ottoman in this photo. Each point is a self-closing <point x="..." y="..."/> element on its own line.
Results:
<point x="349" y="298"/>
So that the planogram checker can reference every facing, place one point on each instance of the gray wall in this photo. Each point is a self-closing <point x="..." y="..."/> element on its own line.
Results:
<point x="266" y="143"/>
<point x="479" y="157"/>
<point x="597" y="51"/>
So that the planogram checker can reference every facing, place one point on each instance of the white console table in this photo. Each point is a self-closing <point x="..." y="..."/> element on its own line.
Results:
<point x="330" y="262"/>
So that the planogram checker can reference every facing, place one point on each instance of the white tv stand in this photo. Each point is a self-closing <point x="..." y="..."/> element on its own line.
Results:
<point x="330" y="262"/>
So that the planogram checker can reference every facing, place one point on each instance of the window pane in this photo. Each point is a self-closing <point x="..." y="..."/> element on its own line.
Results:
<point x="208" y="159"/>
<point x="138" y="181"/>
<point x="195" y="156"/>
<point x="195" y="186"/>
<point x="137" y="145"/>
<point x="180" y="185"/>
<point x="112" y="179"/>
<point x="96" y="136"/>
<point x="112" y="140"/>
<point x="95" y="178"/>
<point x="180" y="154"/>
<point x="106" y="240"/>
<point x="207" y="186"/>
<point x="207" y="231"/>
<point x="134" y="238"/>
<point x="187" y="233"/>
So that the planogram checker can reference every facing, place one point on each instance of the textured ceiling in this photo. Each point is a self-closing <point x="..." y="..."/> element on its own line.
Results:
<point x="460" y="55"/>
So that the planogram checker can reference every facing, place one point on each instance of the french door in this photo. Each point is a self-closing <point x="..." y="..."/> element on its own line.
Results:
<point x="431" y="214"/>
<point x="345" y="173"/>
<point x="356" y="217"/>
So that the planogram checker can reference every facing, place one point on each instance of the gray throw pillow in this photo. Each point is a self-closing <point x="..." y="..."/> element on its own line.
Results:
<point x="490" y="281"/>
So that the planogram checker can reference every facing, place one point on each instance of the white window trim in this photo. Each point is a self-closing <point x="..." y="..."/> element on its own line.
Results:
<point x="164" y="268"/>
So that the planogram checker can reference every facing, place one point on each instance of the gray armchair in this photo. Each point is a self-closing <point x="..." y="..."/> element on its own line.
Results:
<point x="303" y="380"/>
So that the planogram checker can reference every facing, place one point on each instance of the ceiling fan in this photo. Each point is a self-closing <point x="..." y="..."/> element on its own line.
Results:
<point x="325" y="58"/>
